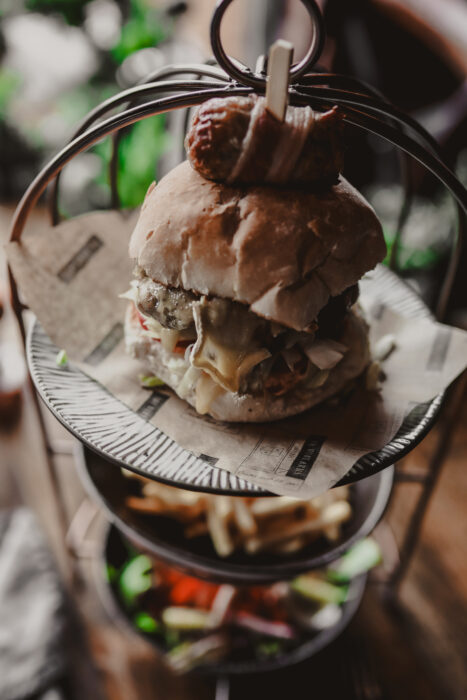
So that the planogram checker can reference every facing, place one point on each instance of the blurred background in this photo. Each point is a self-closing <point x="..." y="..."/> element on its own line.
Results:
<point x="60" y="58"/>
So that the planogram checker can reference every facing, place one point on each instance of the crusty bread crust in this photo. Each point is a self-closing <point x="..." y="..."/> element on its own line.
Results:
<point x="246" y="408"/>
<point x="283" y="252"/>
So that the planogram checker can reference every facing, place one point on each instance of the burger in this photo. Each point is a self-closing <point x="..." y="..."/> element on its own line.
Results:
<point x="244" y="298"/>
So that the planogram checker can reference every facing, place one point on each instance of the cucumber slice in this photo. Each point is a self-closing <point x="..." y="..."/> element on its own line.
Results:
<point x="189" y="655"/>
<point x="146" y="623"/>
<point x="269" y="648"/>
<point x="319" y="590"/>
<point x="179" y="618"/>
<point x="135" y="579"/>
<point x="362" y="557"/>
<point x="111" y="573"/>
<point x="327" y="616"/>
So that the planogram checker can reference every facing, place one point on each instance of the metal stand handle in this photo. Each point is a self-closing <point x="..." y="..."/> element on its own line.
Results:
<point x="361" y="106"/>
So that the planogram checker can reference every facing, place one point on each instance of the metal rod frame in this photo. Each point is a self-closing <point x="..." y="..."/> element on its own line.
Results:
<point x="361" y="105"/>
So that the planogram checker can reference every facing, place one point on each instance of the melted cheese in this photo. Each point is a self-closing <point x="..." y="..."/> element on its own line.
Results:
<point x="206" y="391"/>
<point x="225" y="355"/>
<point x="155" y="331"/>
<point x="325" y="354"/>
<point x="169" y="339"/>
<point x="188" y="382"/>
<point x="319" y="379"/>
<point x="226" y="366"/>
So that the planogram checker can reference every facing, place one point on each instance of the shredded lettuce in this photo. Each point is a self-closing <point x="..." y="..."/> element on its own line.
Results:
<point x="62" y="358"/>
<point x="150" y="381"/>
<point x="132" y="293"/>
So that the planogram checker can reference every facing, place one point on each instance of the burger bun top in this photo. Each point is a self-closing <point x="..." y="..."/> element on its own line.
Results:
<point x="283" y="252"/>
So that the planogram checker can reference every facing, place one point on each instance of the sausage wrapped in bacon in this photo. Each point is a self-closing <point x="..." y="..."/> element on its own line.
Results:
<point x="236" y="140"/>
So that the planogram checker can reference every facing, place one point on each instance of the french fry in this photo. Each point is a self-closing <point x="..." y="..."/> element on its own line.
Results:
<point x="172" y="495"/>
<point x="243" y="517"/>
<point x="145" y="505"/>
<point x="196" y="529"/>
<point x="332" y="533"/>
<point x="222" y="505"/>
<point x="133" y="475"/>
<point x="265" y="507"/>
<point x="291" y="546"/>
<point x="156" y="506"/>
<point x="334" y="513"/>
<point x="340" y="493"/>
<point x="217" y="516"/>
<point x="279" y="524"/>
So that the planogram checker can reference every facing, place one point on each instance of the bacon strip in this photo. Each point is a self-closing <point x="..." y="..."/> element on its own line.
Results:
<point x="236" y="140"/>
<point x="298" y="123"/>
<point x="248" y="142"/>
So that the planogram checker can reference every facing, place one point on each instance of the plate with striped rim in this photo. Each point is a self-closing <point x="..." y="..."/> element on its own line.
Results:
<point x="121" y="436"/>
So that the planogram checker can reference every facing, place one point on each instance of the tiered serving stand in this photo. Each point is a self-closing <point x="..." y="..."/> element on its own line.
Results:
<point x="183" y="87"/>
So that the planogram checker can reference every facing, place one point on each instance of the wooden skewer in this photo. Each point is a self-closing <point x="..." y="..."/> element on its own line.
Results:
<point x="277" y="86"/>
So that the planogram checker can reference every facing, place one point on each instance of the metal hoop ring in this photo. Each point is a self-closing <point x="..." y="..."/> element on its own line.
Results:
<point x="245" y="76"/>
<point x="153" y="83"/>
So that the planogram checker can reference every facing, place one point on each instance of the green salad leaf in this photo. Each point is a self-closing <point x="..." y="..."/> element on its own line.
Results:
<point x="135" y="579"/>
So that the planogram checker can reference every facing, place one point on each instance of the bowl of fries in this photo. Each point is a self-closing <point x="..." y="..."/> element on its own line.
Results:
<point x="236" y="539"/>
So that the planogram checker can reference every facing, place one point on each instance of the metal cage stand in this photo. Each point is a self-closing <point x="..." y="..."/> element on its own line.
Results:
<point x="363" y="107"/>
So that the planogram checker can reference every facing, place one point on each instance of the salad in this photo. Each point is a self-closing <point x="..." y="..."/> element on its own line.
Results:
<point x="198" y="623"/>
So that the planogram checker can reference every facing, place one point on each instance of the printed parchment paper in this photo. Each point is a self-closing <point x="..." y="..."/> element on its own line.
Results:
<point x="71" y="275"/>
